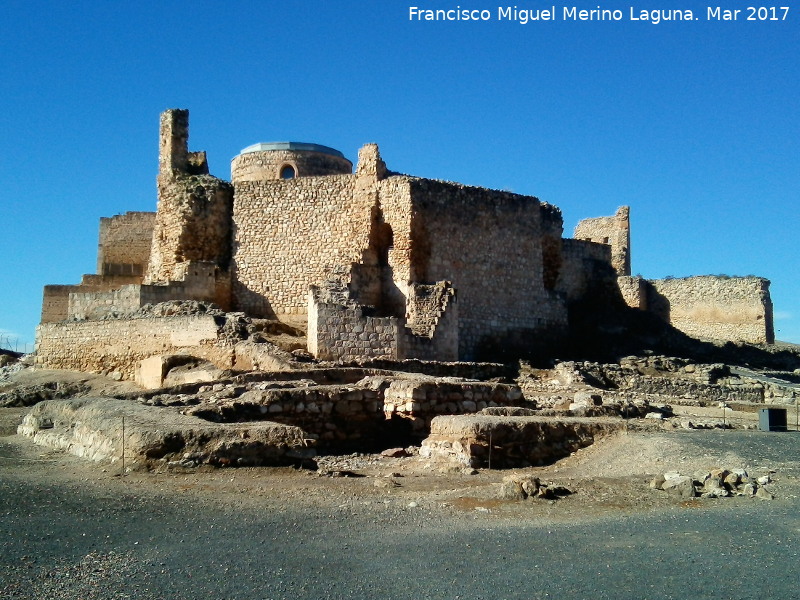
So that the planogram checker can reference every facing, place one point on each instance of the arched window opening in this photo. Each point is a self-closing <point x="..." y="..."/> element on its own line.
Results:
<point x="288" y="172"/>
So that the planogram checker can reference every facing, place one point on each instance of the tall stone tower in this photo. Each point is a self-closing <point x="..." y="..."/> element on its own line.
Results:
<point x="193" y="220"/>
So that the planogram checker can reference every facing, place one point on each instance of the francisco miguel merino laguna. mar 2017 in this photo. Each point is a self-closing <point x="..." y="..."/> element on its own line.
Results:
<point x="573" y="13"/>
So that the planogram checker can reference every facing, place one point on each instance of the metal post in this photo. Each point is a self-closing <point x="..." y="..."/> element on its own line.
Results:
<point x="490" y="449"/>
<point x="123" y="446"/>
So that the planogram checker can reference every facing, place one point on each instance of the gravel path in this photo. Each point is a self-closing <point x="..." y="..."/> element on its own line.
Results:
<point x="68" y="530"/>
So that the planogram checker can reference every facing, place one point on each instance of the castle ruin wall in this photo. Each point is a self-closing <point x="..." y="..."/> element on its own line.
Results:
<point x="193" y="219"/>
<point x="196" y="281"/>
<point x="56" y="298"/>
<point x="193" y="224"/>
<point x="634" y="291"/>
<point x="614" y="231"/>
<point x="119" y="345"/>
<point x="488" y="245"/>
<point x="431" y="330"/>
<point x="124" y="243"/>
<point x="290" y="235"/>
<point x="584" y="265"/>
<point x="339" y="330"/>
<point x="722" y="308"/>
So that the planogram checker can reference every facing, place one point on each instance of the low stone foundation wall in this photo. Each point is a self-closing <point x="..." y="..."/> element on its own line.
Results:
<point x="336" y="414"/>
<point x="364" y="414"/>
<point x="477" y="440"/>
<point x="427" y="399"/>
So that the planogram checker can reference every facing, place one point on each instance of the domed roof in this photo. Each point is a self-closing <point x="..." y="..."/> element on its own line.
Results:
<point x="299" y="146"/>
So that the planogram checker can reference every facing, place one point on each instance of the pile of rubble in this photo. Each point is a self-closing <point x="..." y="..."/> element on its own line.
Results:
<point x="526" y="487"/>
<point x="659" y="379"/>
<point x="717" y="483"/>
<point x="29" y="395"/>
<point x="175" y="308"/>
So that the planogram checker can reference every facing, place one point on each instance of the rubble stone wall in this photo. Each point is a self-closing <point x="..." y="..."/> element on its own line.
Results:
<point x="614" y="231"/>
<point x="193" y="219"/>
<point x="341" y="331"/>
<point x="289" y="235"/>
<point x="340" y="413"/>
<point x="334" y="413"/>
<point x="514" y="441"/>
<point x="97" y="305"/>
<point x="124" y="243"/>
<point x="119" y="345"/>
<point x="434" y="333"/>
<point x="196" y="281"/>
<point x="723" y="308"/>
<point x="193" y="224"/>
<point x="488" y="244"/>
<point x="426" y="399"/>
<point x="56" y="298"/>
<point x="583" y="265"/>
<point x="634" y="291"/>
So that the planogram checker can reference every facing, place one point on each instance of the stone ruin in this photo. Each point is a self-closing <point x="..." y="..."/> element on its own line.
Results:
<point x="369" y="301"/>
<point x="367" y="264"/>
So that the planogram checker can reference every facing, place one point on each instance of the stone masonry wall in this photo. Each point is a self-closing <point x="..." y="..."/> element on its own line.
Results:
<point x="55" y="301"/>
<point x="339" y="330"/>
<point x="97" y="305"/>
<point x="124" y="243"/>
<point x="431" y="332"/>
<point x="364" y="411"/>
<point x="614" y="231"/>
<point x="193" y="224"/>
<point x="195" y="281"/>
<point x="193" y="220"/>
<point x="119" y="345"/>
<point x="723" y="308"/>
<point x="488" y="244"/>
<point x="583" y="265"/>
<point x="289" y="235"/>
<point x="260" y="166"/>
<point x="426" y="399"/>
<point x="634" y="291"/>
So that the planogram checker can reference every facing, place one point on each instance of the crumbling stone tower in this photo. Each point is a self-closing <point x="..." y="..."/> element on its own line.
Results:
<point x="614" y="231"/>
<point x="193" y="222"/>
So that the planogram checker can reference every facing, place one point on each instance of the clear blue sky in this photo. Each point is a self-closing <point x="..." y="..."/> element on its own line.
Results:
<point x="695" y="125"/>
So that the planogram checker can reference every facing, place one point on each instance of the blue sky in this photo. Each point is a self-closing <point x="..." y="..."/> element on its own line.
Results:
<point x="694" y="124"/>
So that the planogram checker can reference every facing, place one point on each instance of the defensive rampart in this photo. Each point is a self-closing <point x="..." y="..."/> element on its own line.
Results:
<point x="716" y="307"/>
<point x="291" y="235"/>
